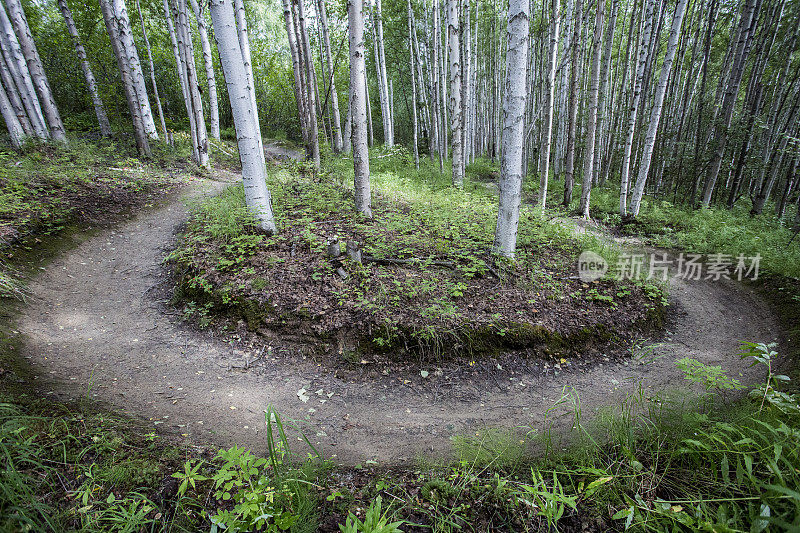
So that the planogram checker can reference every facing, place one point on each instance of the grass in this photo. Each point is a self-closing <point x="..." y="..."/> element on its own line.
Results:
<point x="46" y="188"/>
<point x="438" y="295"/>
<point x="706" y="231"/>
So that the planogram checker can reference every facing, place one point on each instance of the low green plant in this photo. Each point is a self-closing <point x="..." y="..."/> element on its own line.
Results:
<point x="711" y="377"/>
<point x="375" y="521"/>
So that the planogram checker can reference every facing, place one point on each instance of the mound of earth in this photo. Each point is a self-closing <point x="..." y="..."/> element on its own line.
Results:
<point x="415" y="283"/>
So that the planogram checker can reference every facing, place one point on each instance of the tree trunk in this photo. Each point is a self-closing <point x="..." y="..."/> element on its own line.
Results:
<point x="244" y="45"/>
<point x="299" y="90"/>
<point x="34" y="62"/>
<point x="729" y="100"/>
<point x="139" y="132"/>
<point x="358" y="108"/>
<point x="569" y="165"/>
<point x="16" y="80"/>
<point x="208" y="61"/>
<point x="505" y="236"/>
<point x="13" y="124"/>
<point x="152" y="72"/>
<point x="88" y="75"/>
<point x="414" y="125"/>
<point x="330" y="76"/>
<point x="312" y="150"/>
<point x="634" y="110"/>
<point x="194" y="103"/>
<point x="655" y="114"/>
<point x="594" y="96"/>
<point x="552" y="58"/>
<point x="134" y="66"/>
<point x="245" y="115"/>
<point x="454" y="102"/>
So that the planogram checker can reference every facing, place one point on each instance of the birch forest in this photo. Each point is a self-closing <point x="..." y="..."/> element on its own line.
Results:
<point x="399" y="265"/>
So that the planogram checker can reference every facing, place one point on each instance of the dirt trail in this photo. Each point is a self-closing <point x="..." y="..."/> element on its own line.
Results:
<point x="95" y="325"/>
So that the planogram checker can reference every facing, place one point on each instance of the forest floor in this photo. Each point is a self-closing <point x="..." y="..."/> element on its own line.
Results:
<point x="98" y="323"/>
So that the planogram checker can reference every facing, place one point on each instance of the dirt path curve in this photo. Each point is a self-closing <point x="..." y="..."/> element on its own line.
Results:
<point x="95" y="326"/>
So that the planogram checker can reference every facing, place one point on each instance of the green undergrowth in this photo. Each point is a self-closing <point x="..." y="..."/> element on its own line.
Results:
<point x="709" y="231"/>
<point x="428" y="285"/>
<point x="46" y="187"/>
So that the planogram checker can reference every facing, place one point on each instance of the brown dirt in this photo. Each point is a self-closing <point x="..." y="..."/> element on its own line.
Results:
<point x="96" y="326"/>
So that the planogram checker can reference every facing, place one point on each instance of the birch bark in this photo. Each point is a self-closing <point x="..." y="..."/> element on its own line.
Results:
<point x="125" y="33"/>
<point x="552" y="57"/>
<point x="34" y="62"/>
<point x="505" y="236"/>
<point x="245" y="115"/>
<point x="655" y="114"/>
<point x="591" y="127"/>
<point x="358" y="109"/>
<point x="208" y="61"/>
<point x="454" y="101"/>
<point x="88" y="75"/>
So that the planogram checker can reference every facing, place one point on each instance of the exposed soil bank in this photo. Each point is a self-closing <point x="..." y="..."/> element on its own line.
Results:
<point x="95" y="325"/>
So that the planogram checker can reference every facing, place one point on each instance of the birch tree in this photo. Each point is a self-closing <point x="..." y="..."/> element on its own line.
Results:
<point x="17" y="80"/>
<point x="330" y="76"/>
<point x="383" y="83"/>
<point x="731" y="92"/>
<point x="88" y="75"/>
<point x="569" y="165"/>
<point x="634" y="108"/>
<point x="312" y="148"/>
<point x="655" y="113"/>
<point x="591" y="127"/>
<point x="125" y="36"/>
<point x="188" y="68"/>
<point x="454" y="102"/>
<point x="15" y="131"/>
<point x="152" y="71"/>
<point x="358" y="108"/>
<point x="36" y="70"/>
<point x="139" y="132"/>
<point x="245" y="113"/>
<point x="505" y="235"/>
<point x="552" y="57"/>
<point x="208" y="62"/>
<point x="413" y="86"/>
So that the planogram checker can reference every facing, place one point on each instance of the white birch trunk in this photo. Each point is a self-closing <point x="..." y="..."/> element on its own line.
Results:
<point x="548" y="117"/>
<point x="88" y="75"/>
<point x="152" y="71"/>
<point x="454" y="102"/>
<point x="17" y="69"/>
<point x="330" y="74"/>
<point x="634" y="109"/>
<point x="414" y="124"/>
<point x="194" y="103"/>
<point x="13" y="95"/>
<point x="139" y="133"/>
<point x="134" y="66"/>
<point x="13" y="124"/>
<point x="591" y="127"/>
<point x="245" y="116"/>
<point x="358" y="108"/>
<point x="288" y="19"/>
<point x="655" y="114"/>
<point x="347" y="145"/>
<point x="505" y="236"/>
<point x="208" y="61"/>
<point x="34" y="62"/>
<point x="244" y="45"/>
<point x="305" y="46"/>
